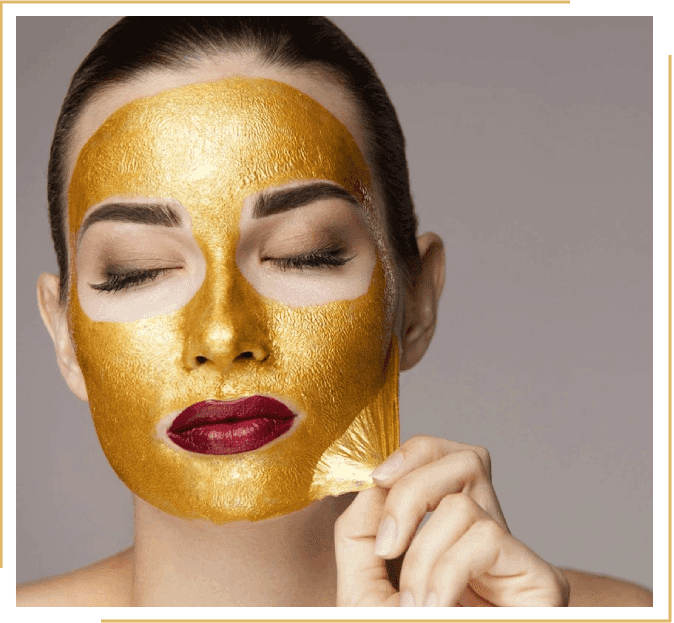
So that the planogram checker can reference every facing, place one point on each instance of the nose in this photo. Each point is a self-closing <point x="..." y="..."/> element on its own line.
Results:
<point x="256" y="354"/>
<point x="225" y="325"/>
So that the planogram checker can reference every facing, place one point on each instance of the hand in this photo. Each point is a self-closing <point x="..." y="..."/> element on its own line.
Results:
<point x="464" y="555"/>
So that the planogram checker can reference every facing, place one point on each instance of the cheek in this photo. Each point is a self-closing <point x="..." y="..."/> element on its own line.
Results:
<point x="118" y="359"/>
<point x="334" y="356"/>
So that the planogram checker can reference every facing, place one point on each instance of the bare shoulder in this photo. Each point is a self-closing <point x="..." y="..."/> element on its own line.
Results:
<point x="103" y="583"/>
<point x="589" y="589"/>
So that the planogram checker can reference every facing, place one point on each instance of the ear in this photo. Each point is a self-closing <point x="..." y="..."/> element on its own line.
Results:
<point x="421" y="309"/>
<point x="54" y="316"/>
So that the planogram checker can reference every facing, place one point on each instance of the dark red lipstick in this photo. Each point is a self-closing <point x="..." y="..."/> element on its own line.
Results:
<point x="215" y="427"/>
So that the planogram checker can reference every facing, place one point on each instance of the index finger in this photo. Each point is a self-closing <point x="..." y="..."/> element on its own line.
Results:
<point x="421" y="450"/>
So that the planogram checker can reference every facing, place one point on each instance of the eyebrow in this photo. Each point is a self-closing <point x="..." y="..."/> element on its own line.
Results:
<point x="267" y="204"/>
<point x="276" y="202"/>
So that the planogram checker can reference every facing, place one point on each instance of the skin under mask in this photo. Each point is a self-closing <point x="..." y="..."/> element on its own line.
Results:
<point x="208" y="150"/>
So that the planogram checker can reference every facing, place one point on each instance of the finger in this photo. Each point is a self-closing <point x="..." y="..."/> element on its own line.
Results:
<point x="453" y="517"/>
<point x="500" y="570"/>
<point x="470" y="599"/>
<point x="362" y="579"/>
<point x="421" y="450"/>
<point x="420" y="491"/>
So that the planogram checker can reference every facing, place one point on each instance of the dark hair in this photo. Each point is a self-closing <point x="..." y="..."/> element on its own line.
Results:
<point x="136" y="44"/>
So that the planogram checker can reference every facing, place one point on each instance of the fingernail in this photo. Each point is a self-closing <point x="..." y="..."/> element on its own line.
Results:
<point x="406" y="600"/>
<point x="389" y="467"/>
<point x="385" y="537"/>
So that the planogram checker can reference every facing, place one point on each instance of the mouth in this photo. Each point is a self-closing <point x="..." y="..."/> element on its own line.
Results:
<point x="215" y="427"/>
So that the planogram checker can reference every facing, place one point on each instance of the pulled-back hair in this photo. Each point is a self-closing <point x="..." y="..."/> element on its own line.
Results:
<point x="138" y="44"/>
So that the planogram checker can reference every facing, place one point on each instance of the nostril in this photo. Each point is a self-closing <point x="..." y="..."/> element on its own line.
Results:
<point x="201" y="360"/>
<point x="245" y="355"/>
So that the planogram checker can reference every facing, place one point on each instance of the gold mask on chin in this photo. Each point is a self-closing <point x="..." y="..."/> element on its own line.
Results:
<point x="209" y="147"/>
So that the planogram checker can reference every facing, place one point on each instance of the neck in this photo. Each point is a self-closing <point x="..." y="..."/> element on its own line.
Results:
<point x="286" y="561"/>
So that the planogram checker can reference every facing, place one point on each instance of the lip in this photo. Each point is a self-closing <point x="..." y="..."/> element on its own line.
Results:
<point x="216" y="427"/>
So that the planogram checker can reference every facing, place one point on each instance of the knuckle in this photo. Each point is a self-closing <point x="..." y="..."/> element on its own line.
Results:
<point x="473" y="463"/>
<point x="418" y="444"/>
<point x="485" y="457"/>
<point x="458" y="503"/>
<point x="490" y="531"/>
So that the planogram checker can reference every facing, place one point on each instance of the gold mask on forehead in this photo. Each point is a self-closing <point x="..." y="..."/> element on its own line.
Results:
<point x="209" y="147"/>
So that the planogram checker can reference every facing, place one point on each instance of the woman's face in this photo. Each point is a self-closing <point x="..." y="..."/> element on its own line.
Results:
<point x="231" y="296"/>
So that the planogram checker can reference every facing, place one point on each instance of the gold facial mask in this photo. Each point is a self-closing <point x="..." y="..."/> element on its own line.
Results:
<point x="209" y="147"/>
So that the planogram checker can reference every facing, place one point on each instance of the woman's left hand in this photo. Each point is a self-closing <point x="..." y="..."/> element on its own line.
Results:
<point x="464" y="555"/>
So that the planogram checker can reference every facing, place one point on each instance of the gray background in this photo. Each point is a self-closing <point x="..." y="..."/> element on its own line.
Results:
<point x="530" y="148"/>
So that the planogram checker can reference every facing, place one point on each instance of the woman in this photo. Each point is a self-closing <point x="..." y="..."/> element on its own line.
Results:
<point x="194" y="275"/>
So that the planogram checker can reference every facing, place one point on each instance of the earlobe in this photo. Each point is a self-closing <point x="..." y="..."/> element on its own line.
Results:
<point x="71" y="372"/>
<point x="422" y="306"/>
<point x="415" y="343"/>
<point x="73" y="377"/>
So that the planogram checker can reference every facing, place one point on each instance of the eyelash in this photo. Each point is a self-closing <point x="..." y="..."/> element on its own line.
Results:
<point x="123" y="281"/>
<point x="329" y="258"/>
<point x="323" y="258"/>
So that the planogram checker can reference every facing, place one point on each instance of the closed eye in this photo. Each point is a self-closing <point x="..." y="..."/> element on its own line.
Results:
<point x="118" y="280"/>
<point x="321" y="258"/>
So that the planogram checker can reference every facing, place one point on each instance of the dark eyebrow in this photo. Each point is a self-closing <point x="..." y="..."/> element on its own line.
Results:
<point x="265" y="205"/>
<point x="269" y="203"/>
<point x="142" y="213"/>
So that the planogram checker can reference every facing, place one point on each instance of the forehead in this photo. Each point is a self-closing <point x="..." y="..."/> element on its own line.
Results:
<point x="214" y="144"/>
<point x="315" y="83"/>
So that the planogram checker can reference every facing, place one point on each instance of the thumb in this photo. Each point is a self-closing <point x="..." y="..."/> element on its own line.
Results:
<point x="362" y="579"/>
